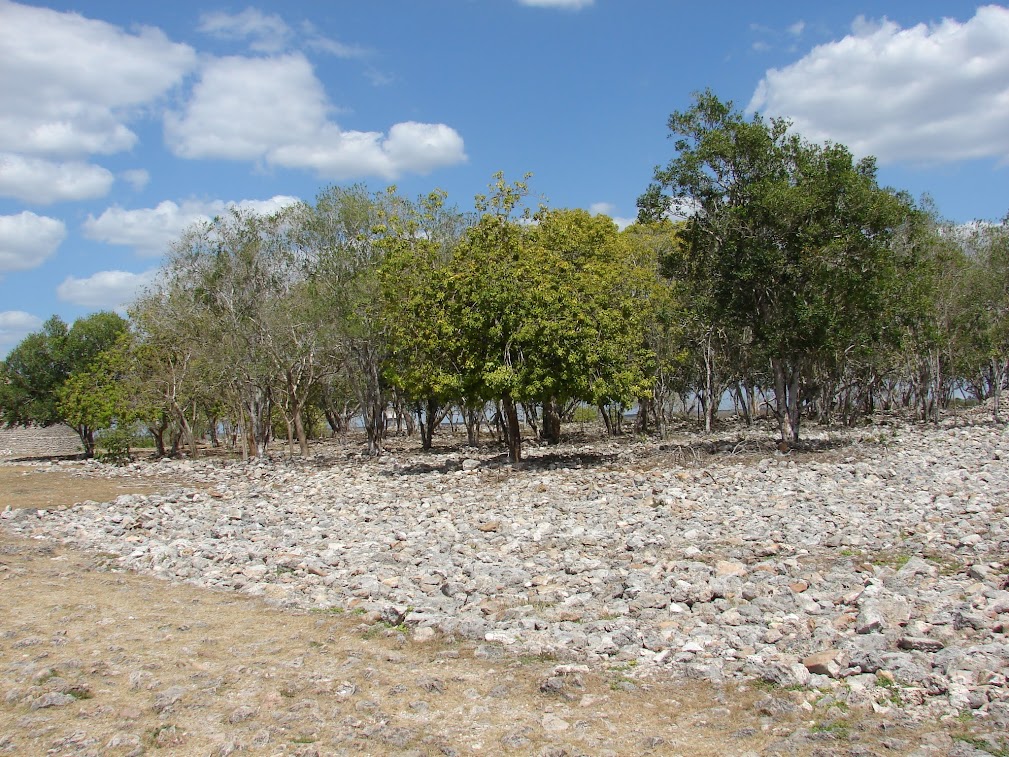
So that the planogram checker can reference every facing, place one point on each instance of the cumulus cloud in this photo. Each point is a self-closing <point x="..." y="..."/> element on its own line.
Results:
<point x="565" y="4"/>
<point x="107" y="290"/>
<point x="15" y="325"/>
<point x="930" y="93"/>
<point x="69" y="85"/>
<point x="275" y="110"/>
<point x="150" y="231"/>
<point x="26" y="240"/>
<point x="41" y="181"/>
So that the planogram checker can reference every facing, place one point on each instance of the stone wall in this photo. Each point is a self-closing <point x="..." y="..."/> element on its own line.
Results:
<point x="34" y="441"/>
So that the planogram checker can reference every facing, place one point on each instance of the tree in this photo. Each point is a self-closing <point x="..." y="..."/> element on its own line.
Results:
<point x="35" y="372"/>
<point x="340" y="238"/>
<point x="102" y="393"/>
<point x="791" y="239"/>
<point x="419" y="243"/>
<point x="32" y="375"/>
<point x="986" y="306"/>
<point x="171" y="361"/>
<point x="215" y="271"/>
<point x="590" y="297"/>
<point x="540" y="312"/>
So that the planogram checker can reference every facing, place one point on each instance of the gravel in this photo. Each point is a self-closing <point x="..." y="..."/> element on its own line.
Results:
<point x="872" y="569"/>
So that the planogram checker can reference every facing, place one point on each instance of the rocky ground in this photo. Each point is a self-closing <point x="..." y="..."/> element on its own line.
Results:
<point x="864" y="577"/>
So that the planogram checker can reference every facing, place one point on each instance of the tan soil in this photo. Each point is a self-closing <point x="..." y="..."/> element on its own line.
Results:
<point x="156" y="668"/>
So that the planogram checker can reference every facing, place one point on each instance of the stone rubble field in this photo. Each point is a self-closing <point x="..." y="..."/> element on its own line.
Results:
<point x="869" y="571"/>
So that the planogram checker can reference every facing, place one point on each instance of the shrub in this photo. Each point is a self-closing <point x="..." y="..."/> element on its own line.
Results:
<point x="115" y="446"/>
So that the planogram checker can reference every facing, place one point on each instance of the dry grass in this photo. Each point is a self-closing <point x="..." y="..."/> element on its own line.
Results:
<point x="37" y="487"/>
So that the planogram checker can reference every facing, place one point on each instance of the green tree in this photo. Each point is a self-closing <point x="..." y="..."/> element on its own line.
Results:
<point x="538" y="310"/>
<point x="32" y="375"/>
<point x="35" y="372"/>
<point x="791" y="239"/>
<point x="673" y="312"/>
<point x="986" y="307"/>
<point x="102" y="393"/>
<point x="423" y="351"/>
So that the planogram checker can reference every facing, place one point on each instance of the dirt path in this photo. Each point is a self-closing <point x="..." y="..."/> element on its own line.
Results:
<point x="99" y="662"/>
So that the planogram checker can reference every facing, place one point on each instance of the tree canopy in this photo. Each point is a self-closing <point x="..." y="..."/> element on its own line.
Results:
<point x="34" y="375"/>
<point x="787" y="240"/>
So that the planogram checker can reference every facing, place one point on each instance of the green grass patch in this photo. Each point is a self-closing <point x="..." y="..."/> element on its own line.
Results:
<point x="981" y="744"/>
<point x="624" y="666"/>
<point x="839" y="729"/>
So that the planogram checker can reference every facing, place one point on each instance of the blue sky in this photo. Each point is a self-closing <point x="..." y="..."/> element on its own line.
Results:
<point x="122" y="122"/>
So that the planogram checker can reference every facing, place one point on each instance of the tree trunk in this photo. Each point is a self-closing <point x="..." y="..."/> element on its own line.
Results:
<point x="159" y="441"/>
<point x="551" y="429"/>
<point x="333" y="419"/>
<point x="289" y="426"/>
<point x="642" y="423"/>
<point x="370" y="394"/>
<point x="157" y="432"/>
<point x="299" y="430"/>
<point x="257" y="405"/>
<point x="374" y="417"/>
<point x="427" y="417"/>
<point x="607" y="422"/>
<point x="711" y="403"/>
<point x="188" y="437"/>
<point x="87" y="435"/>
<point x="472" y="419"/>
<point x="997" y="377"/>
<point x="742" y="396"/>
<point x="512" y="429"/>
<point x="243" y="432"/>
<point x="786" y="399"/>
<point x="532" y="418"/>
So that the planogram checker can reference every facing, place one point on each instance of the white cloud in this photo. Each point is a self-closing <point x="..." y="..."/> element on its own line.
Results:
<point x="69" y="85"/>
<point x="107" y="290"/>
<point x="321" y="44"/>
<point x="244" y="107"/>
<point x="43" y="181"/>
<point x="565" y="4"/>
<point x="929" y="93"/>
<point x="15" y="325"/>
<point x="271" y="34"/>
<point x="26" y="240"/>
<point x="150" y="231"/>
<point x="136" y="178"/>
<point x="797" y="28"/>
<point x="276" y="110"/>
<point x="266" y="33"/>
